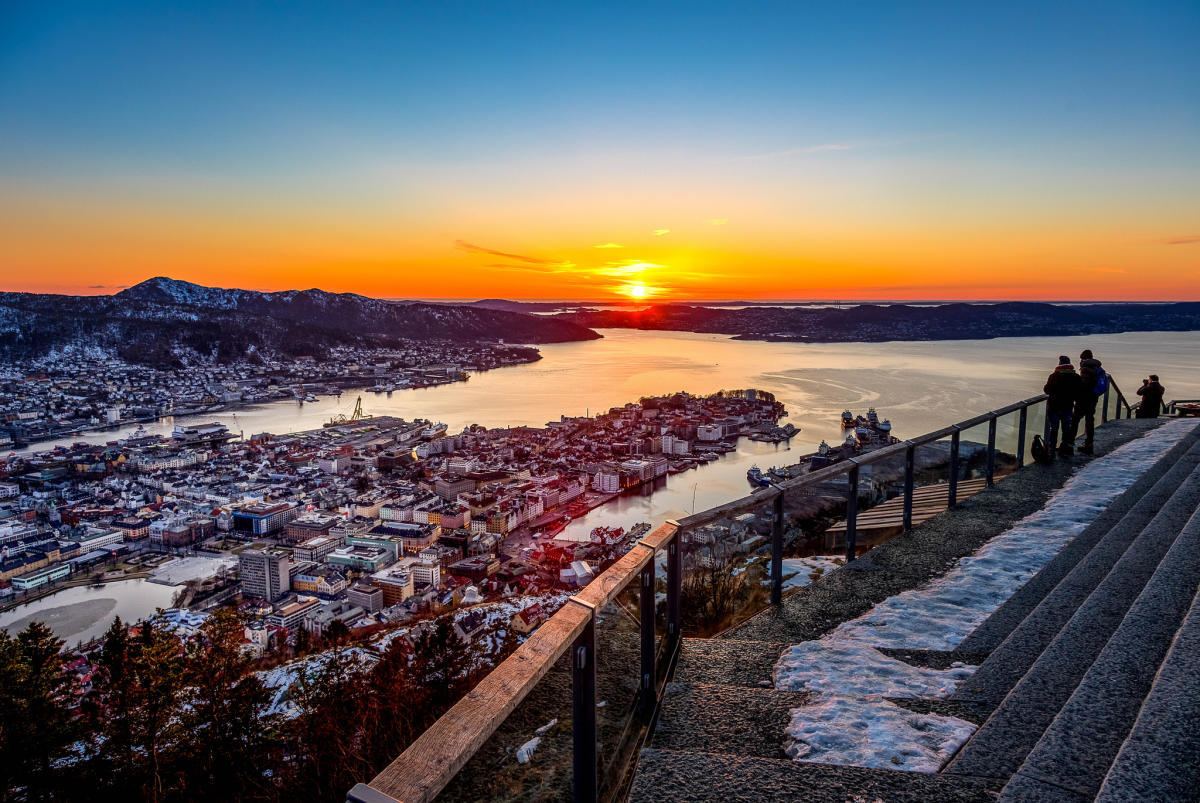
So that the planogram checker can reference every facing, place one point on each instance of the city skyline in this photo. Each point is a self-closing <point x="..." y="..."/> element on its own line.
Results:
<point x="605" y="153"/>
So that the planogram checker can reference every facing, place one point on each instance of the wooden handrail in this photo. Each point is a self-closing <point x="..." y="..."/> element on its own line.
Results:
<point x="421" y="772"/>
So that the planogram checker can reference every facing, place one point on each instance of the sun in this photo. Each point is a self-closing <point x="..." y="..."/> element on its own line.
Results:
<point x="636" y="290"/>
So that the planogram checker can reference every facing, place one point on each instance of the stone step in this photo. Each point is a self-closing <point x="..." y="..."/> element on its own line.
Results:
<point x="710" y="717"/>
<point x="1160" y="758"/>
<point x="669" y="776"/>
<point x="997" y="627"/>
<point x="728" y="663"/>
<point x="999" y="747"/>
<point x="1073" y="756"/>
<point x="1009" y="662"/>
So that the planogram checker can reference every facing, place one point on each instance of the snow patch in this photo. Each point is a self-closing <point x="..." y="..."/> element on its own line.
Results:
<point x="829" y="667"/>
<point x="797" y="572"/>
<point x="180" y="570"/>
<point x="525" y="751"/>
<point x="873" y="733"/>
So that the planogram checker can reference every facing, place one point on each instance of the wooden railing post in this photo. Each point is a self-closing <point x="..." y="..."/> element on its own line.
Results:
<point x="648" y="669"/>
<point x="1104" y="410"/>
<point x="777" y="549"/>
<point x="852" y="510"/>
<point x="952" y="497"/>
<point x="909" y="461"/>
<point x="583" y="709"/>
<point x="991" y="452"/>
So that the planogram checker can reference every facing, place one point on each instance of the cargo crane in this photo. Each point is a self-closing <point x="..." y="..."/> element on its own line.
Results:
<point x="357" y="415"/>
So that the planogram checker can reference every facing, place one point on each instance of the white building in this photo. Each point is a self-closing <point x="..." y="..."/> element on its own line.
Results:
<point x="607" y="481"/>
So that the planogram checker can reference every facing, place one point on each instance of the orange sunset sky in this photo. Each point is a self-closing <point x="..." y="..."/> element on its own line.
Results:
<point x="870" y="153"/>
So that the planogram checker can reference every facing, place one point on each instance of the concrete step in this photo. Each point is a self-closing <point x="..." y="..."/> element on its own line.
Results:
<point x="710" y="717"/>
<point x="997" y="627"/>
<point x="1071" y="759"/>
<point x="669" y="776"/>
<point x="1160" y="758"/>
<point x="1009" y="662"/>
<point x="999" y="747"/>
<point x="728" y="663"/>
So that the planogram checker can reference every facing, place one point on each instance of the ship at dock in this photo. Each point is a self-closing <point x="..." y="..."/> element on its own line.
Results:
<point x="867" y="433"/>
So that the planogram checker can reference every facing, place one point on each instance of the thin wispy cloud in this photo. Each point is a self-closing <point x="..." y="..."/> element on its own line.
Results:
<point x="660" y="232"/>
<point x="608" y="245"/>
<point x="553" y="267"/>
<point x="1191" y="239"/>
<point x="718" y="221"/>
<point x="463" y="245"/>
<point x="631" y="267"/>
<point x="823" y="148"/>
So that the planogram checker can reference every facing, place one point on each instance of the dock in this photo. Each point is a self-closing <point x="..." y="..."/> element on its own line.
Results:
<point x="886" y="520"/>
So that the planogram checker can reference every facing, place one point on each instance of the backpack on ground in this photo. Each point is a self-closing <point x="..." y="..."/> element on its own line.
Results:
<point x="1039" y="451"/>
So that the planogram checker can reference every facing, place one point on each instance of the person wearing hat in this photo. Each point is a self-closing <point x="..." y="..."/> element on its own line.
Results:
<point x="1063" y="387"/>
<point x="1093" y="382"/>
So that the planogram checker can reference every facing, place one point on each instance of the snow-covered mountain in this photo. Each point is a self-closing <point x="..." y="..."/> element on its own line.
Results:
<point x="162" y="316"/>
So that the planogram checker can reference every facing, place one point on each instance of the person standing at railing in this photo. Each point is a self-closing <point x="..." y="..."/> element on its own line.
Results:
<point x="1152" y="396"/>
<point x="1063" y="386"/>
<point x="1093" y="383"/>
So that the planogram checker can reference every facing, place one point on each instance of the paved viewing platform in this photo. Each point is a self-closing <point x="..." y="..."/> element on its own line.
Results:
<point x="1075" y="682"/>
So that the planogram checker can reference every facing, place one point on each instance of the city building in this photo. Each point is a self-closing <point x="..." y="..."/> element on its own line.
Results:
<point x="264" y="575"/>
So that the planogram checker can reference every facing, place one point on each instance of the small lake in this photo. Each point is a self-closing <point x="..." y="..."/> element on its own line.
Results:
<point x="82" y="613"/>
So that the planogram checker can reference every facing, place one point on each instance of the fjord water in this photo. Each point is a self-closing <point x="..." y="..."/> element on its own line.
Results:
<point x="920" y="386"/>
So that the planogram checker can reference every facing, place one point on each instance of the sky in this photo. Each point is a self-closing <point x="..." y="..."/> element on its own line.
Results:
<point x="642" y="150"/>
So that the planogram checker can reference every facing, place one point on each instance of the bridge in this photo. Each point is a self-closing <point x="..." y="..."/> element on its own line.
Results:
<point x="657" y="682"/>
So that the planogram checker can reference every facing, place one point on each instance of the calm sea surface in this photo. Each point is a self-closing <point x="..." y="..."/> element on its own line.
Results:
<point x="920" y="386"/>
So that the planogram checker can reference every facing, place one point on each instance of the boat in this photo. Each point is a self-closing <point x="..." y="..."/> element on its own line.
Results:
<point x="847" y="419"/>
<point x="756" y="477"/>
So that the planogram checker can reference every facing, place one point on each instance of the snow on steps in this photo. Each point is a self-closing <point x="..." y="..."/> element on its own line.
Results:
<point x="849" y="721"/>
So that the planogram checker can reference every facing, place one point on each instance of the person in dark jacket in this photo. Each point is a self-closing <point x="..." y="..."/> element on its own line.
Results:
<point x="1152" y="396"/>
<point x="1064" y="387"/>
<point x="1090" y="391"/>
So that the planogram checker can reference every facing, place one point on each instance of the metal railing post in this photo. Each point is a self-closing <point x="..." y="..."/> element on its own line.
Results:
<point x="674" y="590"/>
<point x="1022" y="421"/>
<point x="852" y="510"/>
<point x="648" y="669"/>
<point x="909" y="460"/>
<point x="1104" y="410"/>
<point x="583" y="709"/>
<point x="952" y="491"/>
<point x="777" y="550"/>
<point x="991" y="452"/>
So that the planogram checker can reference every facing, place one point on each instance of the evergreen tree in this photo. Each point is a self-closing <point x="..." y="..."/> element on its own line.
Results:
<point x="113" y="701"/>
<point x="325" y="736"/>
<point x="157" y="686"/>
<point x="337" y="633"/>
<point x="302" y="641"/>
<point x="37" y="725"/>
<point x="225" y="724"/>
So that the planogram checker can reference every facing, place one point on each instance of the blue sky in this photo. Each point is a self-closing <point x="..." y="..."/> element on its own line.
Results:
<point x="415" y="107"/>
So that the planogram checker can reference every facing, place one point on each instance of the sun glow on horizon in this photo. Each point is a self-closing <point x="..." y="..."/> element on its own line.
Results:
<point x="638" y="290"/>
